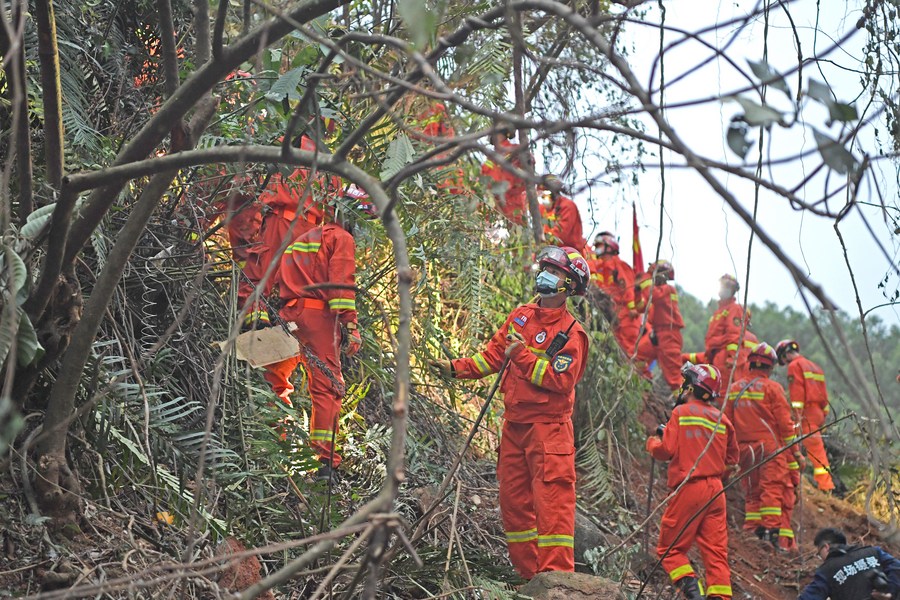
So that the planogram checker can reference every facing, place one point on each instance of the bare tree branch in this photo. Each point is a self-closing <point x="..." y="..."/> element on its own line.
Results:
<point x="52" y="91"/>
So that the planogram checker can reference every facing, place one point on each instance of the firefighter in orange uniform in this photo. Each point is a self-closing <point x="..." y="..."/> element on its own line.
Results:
<point x="561" y="216"/>
<point x="615" y="277"/>
<point x="326" y="324"/>
<point x="286" y="216"/>
<point x="507" y="189"/>
<point x="759" y="410"/>
<point x="700" y="443"/>
<point x="809" y="400"/>
<point x="547" y="350"/>
<point x="664" y="340"/>
<point x="723" y="335"/>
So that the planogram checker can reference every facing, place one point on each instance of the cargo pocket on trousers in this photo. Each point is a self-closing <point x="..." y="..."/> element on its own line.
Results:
<point x="559" y="462"/>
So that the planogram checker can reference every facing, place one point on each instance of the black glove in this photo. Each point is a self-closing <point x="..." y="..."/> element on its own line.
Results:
<point x="653" y="339"/>
<point x="660" y="429"/>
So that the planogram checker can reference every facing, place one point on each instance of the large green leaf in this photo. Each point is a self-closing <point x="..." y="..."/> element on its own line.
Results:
<point x="15" y="273"/>
<point x="758" y="114"/>
<point x="834" y="154"/>
<point x="769" y="76"/>
<point x="287" y="85"/>
<point x="399" y="154"/>
<point x="737" y="138"/>
<point x="28" y="348"/>
<point x="837" y="111"/>
<point x="37" y="220"/>
<point x="9" y="326"/>
<point x="421" y="21"/>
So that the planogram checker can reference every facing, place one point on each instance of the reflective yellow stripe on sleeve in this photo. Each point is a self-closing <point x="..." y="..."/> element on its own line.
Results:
<point x="540" y="369"/>
<point x="814" y="376"/>
<point x="797" y="405"/>
<point x="481" y="364"/>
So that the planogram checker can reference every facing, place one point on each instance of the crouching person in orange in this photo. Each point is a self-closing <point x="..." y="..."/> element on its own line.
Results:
<point x="759" y="410"/>
<point x="315" y="281"/>
<point x="546" y="349"/>
<point x="809" y="400"/>
<point x="700" y="443"/>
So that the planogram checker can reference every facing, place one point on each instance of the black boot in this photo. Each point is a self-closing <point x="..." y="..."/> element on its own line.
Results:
<point x="760" y="532"/>
<point x="689" y="588"/>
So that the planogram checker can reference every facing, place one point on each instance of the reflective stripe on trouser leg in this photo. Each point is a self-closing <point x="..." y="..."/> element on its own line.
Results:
<point x="750" y="455"/>
<point x="773" y="476"/>
<point x="540" y="494"/>
<point x="316" y="330"/>
<point x="815" y="449"/>
<point x="712" y="538"/>
<point x="710" y="523"/>
<point x="516" y="501"/>
<point x="785" y="532"/>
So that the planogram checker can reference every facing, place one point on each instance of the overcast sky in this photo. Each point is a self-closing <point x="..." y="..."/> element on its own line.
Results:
<point x="702" y="236"/>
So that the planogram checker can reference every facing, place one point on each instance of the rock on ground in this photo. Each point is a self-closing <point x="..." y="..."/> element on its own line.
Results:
<point x="557" y="585"/>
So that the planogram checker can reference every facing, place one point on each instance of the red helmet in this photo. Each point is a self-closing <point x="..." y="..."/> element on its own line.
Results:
<point x="705" y="379"/>
<point x="785" y="346"/>
<point x="569" y="260"/>
<point x="360" y="201"/>
<point x="762" y="355"/>
<point x="605" y="238"/>
<point x="730" y="281"/>
<point x="663" y="267"/>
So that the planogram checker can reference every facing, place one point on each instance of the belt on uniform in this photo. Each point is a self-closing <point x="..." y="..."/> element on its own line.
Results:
<point x="312" y="303"/>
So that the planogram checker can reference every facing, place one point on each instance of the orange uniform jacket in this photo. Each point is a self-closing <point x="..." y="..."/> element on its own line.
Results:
<point x="724" y="326"/>
<point x="806" y="384"/>
<point x="564" y="222"/>
<point x="760" y="413"/>
<point x="615" y="277"/>
<point x="665" y="313"/>
<point x="287" y="215"/>
<point x="322" y="255"/>
<point x="685" y="437"/>
<point x="512" y="201"/>
<point x="536" y="388"/>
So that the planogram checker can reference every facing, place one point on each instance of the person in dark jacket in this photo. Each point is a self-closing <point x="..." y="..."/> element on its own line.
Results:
<point x="852" y="572"/>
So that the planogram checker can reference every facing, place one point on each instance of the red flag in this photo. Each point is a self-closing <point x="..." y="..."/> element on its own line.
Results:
<point x="638" y="260"/>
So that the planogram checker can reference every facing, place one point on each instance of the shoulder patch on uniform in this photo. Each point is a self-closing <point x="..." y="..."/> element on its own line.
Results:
<point x="540" y="337"/>
<point x="561" y="362"/>
<point x="737" y="321"/>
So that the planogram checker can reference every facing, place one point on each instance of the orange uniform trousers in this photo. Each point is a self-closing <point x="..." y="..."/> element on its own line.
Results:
<point x="709" y="529"/>
<point x="627" y="331"/>
<point x="317" y="330"/>
<point x="814" y="418"/>
<point x="667" y="354"/>
<point x="764" y="487"/>
<point x="536" y="472"/>
<point x="791" y="489"/>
